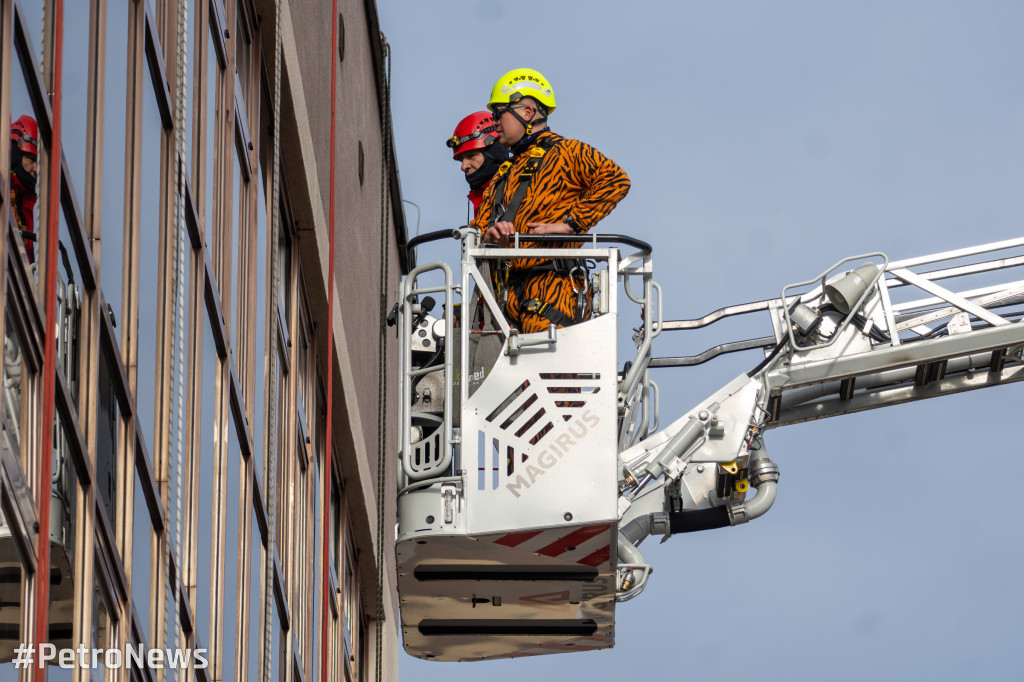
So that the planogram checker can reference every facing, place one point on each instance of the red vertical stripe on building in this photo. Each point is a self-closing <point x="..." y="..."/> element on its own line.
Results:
<point x="50" y="344"/>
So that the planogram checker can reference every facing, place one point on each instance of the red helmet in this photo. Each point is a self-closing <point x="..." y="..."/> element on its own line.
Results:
<point x="25" y="135"/>
<point x="476" y="131"/>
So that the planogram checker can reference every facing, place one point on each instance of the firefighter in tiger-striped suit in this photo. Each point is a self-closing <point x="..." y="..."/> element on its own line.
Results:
<point x="553" y="185"/>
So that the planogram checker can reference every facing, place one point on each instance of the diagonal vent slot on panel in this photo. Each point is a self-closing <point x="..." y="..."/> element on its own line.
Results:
<point x="519" y="412"/>
<point x="508" y="401"/>
<point x="533" y="420"/>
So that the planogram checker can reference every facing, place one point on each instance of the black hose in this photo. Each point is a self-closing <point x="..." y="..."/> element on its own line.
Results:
<point x="771" y="356"/>
<point x="698" y="519"/>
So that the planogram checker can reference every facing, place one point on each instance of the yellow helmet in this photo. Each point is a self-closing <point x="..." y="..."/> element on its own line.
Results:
<point x="519" y="83"/>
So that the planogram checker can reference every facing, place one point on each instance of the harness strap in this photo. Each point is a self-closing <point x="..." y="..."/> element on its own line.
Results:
<point x="533" y="164"/>
<point x="548" y="311"/>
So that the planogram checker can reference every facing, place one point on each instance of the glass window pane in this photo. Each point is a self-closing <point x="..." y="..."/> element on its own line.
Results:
<point x="229" y="607"/>
<point x="205" y="465"/>
<point x="115" y="100"/>
<point x="243" y="48"/>
<point x="213" y="72"/>
<point x="260" y="325"/>
<point x="100" y="629"/>
<point x="256" y="580"/>
<point x="33" y="15"/>
<point x="284" y="265"/>
<point x="192" y="82"/>
<point x="74" y="94"/>
<point x="149" y="258"/>
<point x="238" y="210"/>
<point x="63" y="497"/>
<point x="142" y="541"/>
<point x="282" y="452"/>
<point x="277" y="659"/>
<point x="317" y="573"/>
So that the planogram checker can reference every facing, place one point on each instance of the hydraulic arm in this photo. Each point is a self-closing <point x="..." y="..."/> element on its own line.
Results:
<point x="879" y="334"/>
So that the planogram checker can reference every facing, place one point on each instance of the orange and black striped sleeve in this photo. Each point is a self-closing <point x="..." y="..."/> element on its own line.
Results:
<point x="602" y="183"/>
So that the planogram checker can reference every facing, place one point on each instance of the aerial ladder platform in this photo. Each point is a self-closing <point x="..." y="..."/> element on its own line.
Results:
<point x="533" y="466"/>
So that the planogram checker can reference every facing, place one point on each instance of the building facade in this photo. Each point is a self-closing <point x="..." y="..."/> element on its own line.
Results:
<point x="170" y="424"/>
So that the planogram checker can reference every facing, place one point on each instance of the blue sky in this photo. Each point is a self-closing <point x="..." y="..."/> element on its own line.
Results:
<point x="766" y="141"/>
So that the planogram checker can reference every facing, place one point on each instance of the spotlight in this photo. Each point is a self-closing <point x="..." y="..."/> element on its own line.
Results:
<point x="845" y="293"/>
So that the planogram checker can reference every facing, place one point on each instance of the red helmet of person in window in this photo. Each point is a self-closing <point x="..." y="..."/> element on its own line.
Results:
<point x="476" y="131"/>
<point x="25" y="135"/>
<point x="24" y="169"/>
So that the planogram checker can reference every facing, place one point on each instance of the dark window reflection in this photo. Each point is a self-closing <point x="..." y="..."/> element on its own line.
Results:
<point x="107" y="430"/>
<point x="142" y="540"/>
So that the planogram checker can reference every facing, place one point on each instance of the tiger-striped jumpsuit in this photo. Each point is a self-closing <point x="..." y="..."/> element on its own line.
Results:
<point x="575" y="180"/>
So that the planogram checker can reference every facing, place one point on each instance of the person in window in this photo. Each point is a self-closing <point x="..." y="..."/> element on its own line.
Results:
<point x="24" y="171"/>
<point x="553" y="185"/>
<point x="475" y="147"/>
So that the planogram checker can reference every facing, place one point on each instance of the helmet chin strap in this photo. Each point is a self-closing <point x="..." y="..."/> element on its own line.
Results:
<point x="528" y="124"/>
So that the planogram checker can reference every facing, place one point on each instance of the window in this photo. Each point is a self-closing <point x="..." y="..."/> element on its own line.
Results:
<point x="243" y="49"/>
<point x="212" y="137"/>
<point x="260" y="326"/>
<point x="148" y="286"/>
<point x="108" y="430"/>
<point x="142" y="549"/>
<point x="115" y="124"/>
<point x="239" y="186"/>
<point x="256" y="580"/>
<point x="230" y="588"/>
<point x="74" y="94"/>
<point x="203" y="478"/>
<point x="100" y="626"/>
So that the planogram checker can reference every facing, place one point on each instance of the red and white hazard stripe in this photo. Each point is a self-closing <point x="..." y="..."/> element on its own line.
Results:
<point x="587" y="545"/>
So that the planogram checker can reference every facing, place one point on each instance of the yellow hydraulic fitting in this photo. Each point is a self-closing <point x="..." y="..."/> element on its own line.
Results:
<point x="742" y="485"/>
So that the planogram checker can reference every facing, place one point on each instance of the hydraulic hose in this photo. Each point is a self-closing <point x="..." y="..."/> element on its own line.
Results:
<point x="764" y="475"/>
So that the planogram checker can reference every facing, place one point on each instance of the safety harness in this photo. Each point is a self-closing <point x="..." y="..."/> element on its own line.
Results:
<point x="516" y="281"/>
